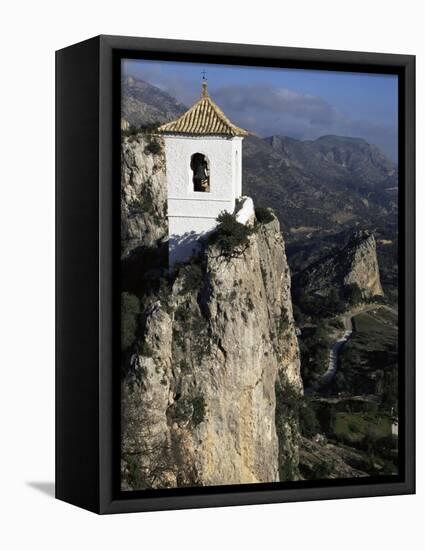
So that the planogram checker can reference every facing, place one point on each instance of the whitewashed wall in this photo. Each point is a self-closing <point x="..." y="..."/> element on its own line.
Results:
<point x="192" y="214"/>
<point x="237" y="166"/>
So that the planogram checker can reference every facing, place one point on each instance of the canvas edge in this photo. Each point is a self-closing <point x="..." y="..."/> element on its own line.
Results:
<point x="107" y="503"/>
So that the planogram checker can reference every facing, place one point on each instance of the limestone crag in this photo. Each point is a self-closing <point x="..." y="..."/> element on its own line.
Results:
<point x="143" y="192"/>
<point x="199" y="395"/>
<point x="356" y="264"/>
<point x="363" y="264"/>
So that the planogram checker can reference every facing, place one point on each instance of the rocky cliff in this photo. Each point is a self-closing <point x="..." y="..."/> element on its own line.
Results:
<point x="209" y="354"/>
<point x="143" y="192"/>
<point x="356" y="265"/>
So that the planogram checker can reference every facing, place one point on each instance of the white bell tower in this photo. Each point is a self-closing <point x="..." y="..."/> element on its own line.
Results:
<point x="203" y="152"/>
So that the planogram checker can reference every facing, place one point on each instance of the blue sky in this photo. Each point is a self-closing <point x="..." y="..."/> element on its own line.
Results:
<point x="299" y="103"/>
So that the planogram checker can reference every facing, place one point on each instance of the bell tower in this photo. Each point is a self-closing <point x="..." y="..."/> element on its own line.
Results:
<point x="203" y="153"/>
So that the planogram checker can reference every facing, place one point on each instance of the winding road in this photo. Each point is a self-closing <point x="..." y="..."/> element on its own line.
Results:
<point x="330" y="372"/>
<point x="347" y="319"/>
<point x="336" y="348"/>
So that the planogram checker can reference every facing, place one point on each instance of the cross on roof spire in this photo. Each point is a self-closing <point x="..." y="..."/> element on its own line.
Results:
<point x="204" y="84"/>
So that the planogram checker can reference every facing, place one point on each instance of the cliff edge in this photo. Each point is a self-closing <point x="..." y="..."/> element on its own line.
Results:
<point x="209" y="355"/>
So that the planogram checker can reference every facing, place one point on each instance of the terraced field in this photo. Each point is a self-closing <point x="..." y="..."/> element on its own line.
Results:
<point x="354" y="427"/>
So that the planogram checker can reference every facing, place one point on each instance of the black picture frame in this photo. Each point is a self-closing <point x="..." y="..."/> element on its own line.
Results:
<point x="87" y="168"/>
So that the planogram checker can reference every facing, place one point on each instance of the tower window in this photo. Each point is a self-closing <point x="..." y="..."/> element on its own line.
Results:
<point x="201" y="172"/>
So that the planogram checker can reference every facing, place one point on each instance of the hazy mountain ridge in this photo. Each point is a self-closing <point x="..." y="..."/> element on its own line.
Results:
<point x="342" y="158"/>
<point x="143" y="103"/>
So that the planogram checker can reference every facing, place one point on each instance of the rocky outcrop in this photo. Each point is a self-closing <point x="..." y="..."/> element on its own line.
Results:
<point x="362" y="264"/>
<point x="215" y="352"/>
<point x="143" y="192"/>
<point x="356" y="265"/>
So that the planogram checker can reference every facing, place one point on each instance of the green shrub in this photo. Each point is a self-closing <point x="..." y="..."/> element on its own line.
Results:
<point x="190" y="322"/>
<point x="283" y="321"/>
<point x="314" y="348"/>
<point x="319" y="307"/>
<point x="131" y="131"/>
<point x="130" y="309"/>
<point x="198" y="414"/>
<point x="153" y="147"/>
<point x="352" y="294"/>
<point x="192" y="410"/>
<point x="193" y="277"/>
<point x="231" y="236"/>
<point x="149" y="128"/>
<point x="288" y="400"/>
<point x="141" y="205"/>
<point x="308" y="422"/>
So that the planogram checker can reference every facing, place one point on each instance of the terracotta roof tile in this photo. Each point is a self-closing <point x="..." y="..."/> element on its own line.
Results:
<point x="203" y="118"/>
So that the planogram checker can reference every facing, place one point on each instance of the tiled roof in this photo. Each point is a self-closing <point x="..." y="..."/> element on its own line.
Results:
<point x="203" y="118"/>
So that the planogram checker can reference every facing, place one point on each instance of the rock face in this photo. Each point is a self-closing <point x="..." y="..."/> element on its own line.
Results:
<point x="362" y="262"/>
<point x="143" y="192"/>
<point x="214" y="352"/>
<point x="356" y="264"/>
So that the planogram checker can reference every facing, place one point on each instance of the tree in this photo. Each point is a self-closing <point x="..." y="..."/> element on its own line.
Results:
<point x="309" y="424"/>
<point x="231" y="236"/>
<point x="352" y="294"/>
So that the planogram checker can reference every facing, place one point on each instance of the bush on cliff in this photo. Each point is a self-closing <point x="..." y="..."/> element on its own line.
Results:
<point x="153" y="147"/>
<point x="231" y="236"/>
<point x="353" y="294"/>
<point x="131" y="132"/>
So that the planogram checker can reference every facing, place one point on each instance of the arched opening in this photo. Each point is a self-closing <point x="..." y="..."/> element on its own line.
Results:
<point x="201" y="172"/>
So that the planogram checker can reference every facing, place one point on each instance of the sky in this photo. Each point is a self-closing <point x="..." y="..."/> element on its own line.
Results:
<point x="299" y="103"/>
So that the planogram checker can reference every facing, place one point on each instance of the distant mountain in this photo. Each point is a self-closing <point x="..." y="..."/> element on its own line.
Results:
<point x="143" y="103"/>
<point x="323" y="185"/>
<point x="348" y="160"/>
